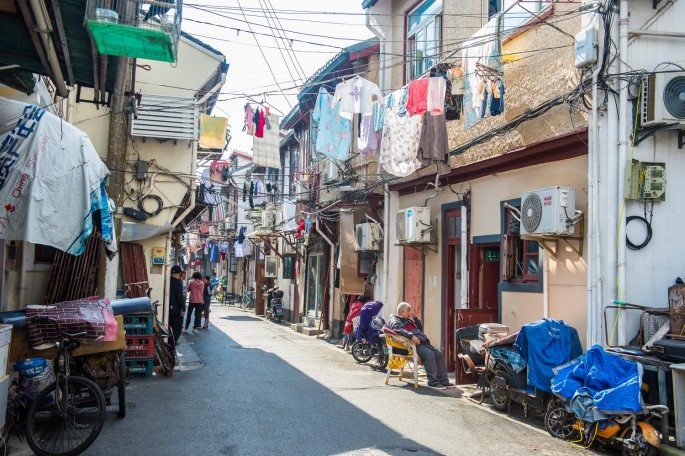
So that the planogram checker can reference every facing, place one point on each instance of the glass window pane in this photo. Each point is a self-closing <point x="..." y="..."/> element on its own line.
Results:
<point x="532" y="247"/>
<point x="426" y="10"/>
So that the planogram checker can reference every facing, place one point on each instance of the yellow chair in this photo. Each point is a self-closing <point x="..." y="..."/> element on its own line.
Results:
<point x="401" y="352"/>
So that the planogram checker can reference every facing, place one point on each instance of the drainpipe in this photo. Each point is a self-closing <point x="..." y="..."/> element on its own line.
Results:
<point x="622" y="157"/>
<point x="381" y="57"/>
<point x="331" y="274"/>
<point x="44" y="29"/>
<point x="464" y="298"/>
<point x="545" y="284"/>
<point x="593" y="267"/>
<point x="386" y="241"/>
<point x="193" y="185"/>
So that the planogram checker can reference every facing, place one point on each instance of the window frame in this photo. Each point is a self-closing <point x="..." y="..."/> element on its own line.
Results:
<point x="44" y="254"/>
<point x="411" y="40"/>
<point x="520" y="251"/>
<point x="289" y="270"/>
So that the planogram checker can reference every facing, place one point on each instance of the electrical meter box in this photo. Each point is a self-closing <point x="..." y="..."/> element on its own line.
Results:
<point x="645" y="181"/>
<point x="158" y="255"/>
<point x="586" y="47"/>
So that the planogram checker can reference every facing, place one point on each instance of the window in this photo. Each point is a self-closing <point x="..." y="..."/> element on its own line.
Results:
<point x="288" y="267"/>
<point x="424" y="38"/>
<point x="44" y="254"/>
<point x="517" y="13"/>
<point x="521" y="257"/>
<point x="494" y="7"/>
<point x="234" y="264"/>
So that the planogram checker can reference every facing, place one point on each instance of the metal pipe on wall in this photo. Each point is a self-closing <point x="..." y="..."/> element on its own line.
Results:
<point x="44" y="29"/>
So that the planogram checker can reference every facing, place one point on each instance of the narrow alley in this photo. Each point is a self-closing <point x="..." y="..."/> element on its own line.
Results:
<point x="266" y="390"/>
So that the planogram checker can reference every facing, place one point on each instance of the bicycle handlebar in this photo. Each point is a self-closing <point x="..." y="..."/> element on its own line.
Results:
<point x="56" y="323"/>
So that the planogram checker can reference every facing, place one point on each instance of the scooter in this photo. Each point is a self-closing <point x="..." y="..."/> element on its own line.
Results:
<point x="276" y="302"/>
<point x="623" y="432"/>
<point x="506" y="376"/>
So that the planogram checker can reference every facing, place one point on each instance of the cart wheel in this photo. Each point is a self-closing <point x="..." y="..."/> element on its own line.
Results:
<point x="122" y="385"/>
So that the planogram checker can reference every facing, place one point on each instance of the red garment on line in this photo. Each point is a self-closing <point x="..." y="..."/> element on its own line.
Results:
<point x="259" y="131"/>
<point x="417" y="96"/>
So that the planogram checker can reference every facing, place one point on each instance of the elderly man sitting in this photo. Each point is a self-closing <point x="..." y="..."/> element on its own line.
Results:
<point x="409" y="326"/>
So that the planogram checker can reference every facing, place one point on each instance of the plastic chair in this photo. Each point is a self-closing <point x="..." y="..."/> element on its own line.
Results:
<point x="401" y="351"/>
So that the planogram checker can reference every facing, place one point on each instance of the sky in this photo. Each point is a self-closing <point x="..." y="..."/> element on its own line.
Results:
<point x="314" y="32"/>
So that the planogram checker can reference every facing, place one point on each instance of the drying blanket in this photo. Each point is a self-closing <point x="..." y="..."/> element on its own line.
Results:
<point x="51" y="180"/>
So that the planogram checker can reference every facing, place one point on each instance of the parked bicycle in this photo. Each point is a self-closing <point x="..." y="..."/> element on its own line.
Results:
<point x="165" y="354"/>
<point x="248" y="299"/>
<point x="67" y="416"/>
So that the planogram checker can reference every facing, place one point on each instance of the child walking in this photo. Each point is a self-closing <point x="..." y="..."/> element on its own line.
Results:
<point x="207" y="300"/>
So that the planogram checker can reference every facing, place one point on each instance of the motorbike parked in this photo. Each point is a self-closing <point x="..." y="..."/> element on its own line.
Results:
<point x="633" y="434"/>
<point x="369" y="343"/>
<point x="274" y="306"/>
<point x="511" y="361"/>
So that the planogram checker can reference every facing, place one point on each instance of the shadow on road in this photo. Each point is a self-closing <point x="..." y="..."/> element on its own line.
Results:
<point x="245" y="402"/>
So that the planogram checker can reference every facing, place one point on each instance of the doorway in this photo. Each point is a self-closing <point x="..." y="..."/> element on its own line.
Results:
<point x="315" y="284"/>
<point x="413" y="279"/>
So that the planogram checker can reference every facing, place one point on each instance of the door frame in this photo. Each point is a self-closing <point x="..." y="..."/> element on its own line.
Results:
<point x="445" y="325"/>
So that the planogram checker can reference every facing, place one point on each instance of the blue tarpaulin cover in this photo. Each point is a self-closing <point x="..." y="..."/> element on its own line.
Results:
<point x="599" y="384"/>
<point x="369" y="311"/>
<point x="545" y="345"/>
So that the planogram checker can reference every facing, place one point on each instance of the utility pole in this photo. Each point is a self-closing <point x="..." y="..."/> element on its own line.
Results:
<point x="116" y="163"/>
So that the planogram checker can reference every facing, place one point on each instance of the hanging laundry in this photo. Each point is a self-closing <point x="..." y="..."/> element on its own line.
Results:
<point x="241" y="235"/>
<point x="213" y="131"/>
<point x="258" y="123"/>
<point x="244" y="191"/>
<point x="433" y="146"/>
<point x="355" y="96"/>
<point x="334" y="132"/>
<point x="249" y="120"/>
<point x="223" y="247"/>
<point x="214" y="252"/>
<point x="260" y="193"/>
<point x="239" y="249"/>
<point x="368" y="137"/>
<point x="251" y="197"/>
<point x="417" y="96"/>
<point x="378" y="114"/>
<point x="497" y="99"/>
<point x="456" y="78"/>
<point x="400" y="143"/>
<point x="226" y="173"/>
<point x="398" y="99"/>
<point x="211" y="190"/>
<point x="265" y="149"/>
<point x="435" y="101"/>
<point x="266" y="118"/>
<point x="216" y="171"/>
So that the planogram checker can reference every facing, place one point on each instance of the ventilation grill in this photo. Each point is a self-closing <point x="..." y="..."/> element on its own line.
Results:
<point x="166" y="118"/>
<point x="401" y="228"/>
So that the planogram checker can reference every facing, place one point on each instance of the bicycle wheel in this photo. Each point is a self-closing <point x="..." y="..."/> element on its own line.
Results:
<point x="65" y="419"/>
<point x="121" y="386"/>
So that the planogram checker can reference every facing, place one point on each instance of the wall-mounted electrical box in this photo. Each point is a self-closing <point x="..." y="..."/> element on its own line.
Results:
<point x="645" y="181"/>
<point x="586" y="47"/>
<point x="158" y="255"/>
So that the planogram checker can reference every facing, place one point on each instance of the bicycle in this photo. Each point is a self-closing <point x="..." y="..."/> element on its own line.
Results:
<point x="67" y="416"/>
<point x="165" y="355"/>
<point x="248" y="299"/>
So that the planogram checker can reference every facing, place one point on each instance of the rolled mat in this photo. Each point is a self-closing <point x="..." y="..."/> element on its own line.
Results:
<point x="17" y="318"/>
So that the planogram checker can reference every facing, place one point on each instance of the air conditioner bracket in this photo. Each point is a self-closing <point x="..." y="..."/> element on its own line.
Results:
<point x="546" y="242"/>
<point x="681" y="139"/>
<point x="420" y="246"/>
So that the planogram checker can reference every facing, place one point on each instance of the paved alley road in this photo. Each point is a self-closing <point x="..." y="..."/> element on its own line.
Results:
<point x="265" y="390"/>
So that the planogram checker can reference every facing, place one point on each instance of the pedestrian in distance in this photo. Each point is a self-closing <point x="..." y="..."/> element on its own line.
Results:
<point x="195" y="290"/>
<point x="185" y="286"/>
<point x="207" y="300"/>
<point x="177" y="304"/>
<point x="409" y="325"/>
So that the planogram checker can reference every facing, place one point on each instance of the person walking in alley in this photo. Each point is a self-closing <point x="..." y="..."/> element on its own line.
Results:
<point x="177" y="304"/>
<point x="409" y="325"/>
<point x="184" y="281"/>
<point x="196" y="290"/>
<point x="207" y="300"/>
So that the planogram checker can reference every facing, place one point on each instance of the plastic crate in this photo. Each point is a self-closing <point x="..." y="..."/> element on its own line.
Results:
<point x="139" y="368"/>
<point x="140" y="346"/>
<point x="138" y="324"/>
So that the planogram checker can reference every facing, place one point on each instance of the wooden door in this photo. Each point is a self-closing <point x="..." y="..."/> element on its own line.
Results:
<point x="451" y="281"/>
<point x="413" y="279"/>
<point x="483" y="296"/>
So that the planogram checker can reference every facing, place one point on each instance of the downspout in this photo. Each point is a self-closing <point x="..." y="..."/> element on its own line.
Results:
<point x="464" y="298"/>
<point x="44" y="29"/>
<point x="386" y="241"/>
<point x="545" y="284"/>
<point x="622" y="157"/>
<point x="331" y="274"/>
<point x="381" y="57"/>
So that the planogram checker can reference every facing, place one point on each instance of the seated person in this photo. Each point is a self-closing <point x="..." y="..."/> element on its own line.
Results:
<point x="408" y="325"/>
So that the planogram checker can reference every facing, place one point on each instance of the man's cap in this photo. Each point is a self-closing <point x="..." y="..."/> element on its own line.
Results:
<point x="176" y="269"/>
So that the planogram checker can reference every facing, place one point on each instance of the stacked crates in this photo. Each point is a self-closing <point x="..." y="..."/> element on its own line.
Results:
<point x="140" y="345"/>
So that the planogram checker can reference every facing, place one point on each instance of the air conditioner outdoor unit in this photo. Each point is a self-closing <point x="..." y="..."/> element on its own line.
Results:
<point x="412" y="225"/>
<point x="368" y="237"/>
<point x="548" y="211"/>
<point x="255" y="215"/>
<point x="663" y="99"/>
<point x="271" y="266"/>
<point x="301" y="193"/>
<point x="229" y="224"/>
<point x="271" y="218"/>
<point x="330" y="171"/>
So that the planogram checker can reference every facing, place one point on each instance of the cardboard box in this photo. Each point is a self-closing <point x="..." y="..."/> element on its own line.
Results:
<point x="20" y="348"/>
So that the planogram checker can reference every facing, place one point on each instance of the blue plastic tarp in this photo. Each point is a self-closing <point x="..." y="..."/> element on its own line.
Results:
<point x="545" y="345"/>
<point x="598" y="384"/>
<point x="369" y="311"/>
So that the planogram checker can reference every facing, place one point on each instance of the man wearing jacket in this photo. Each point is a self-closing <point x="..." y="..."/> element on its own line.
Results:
<point x="177" y="304"/>
<point x="409" y="326"/>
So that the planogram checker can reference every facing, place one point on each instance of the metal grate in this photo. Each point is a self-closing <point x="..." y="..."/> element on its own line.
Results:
<point x="166" y="117"/>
